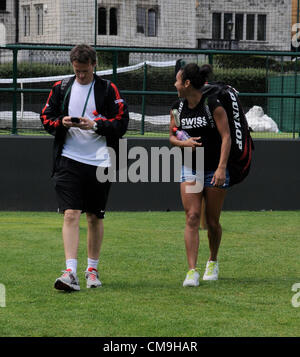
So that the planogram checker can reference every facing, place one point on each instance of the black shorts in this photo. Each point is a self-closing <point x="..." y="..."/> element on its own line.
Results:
<point x="77" y="188"/>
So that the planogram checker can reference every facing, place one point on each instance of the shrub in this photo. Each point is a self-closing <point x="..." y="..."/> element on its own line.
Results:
<point x="254" y="61"/>
<point x="26" y="70"/>
<point x="158" y="79"/>
<point x="243" y="61"/>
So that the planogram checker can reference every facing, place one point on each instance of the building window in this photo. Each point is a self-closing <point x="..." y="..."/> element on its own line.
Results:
<point x="26" y="19"/>
<point x="40" y="19"/>
<point x="250" y="27"/>
<point x="247" y="27"/>
<point x="261" y="27"/>
<point x="239" y="26"/>
<point x="227" y="33"/>
<point x="141" y="20"/>
<point x="151" y="22"/>
<point x="113" y="22"/>
<point x="216" y="26"/>
<point x="2" y="5"/>
<point x="102" y="21"/>
<point x="146" y="21"/>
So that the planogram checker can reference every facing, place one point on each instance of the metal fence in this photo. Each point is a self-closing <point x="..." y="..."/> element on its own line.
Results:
<point x="267" y="82"/>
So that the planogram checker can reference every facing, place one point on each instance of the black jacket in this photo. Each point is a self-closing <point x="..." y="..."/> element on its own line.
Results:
<point x="109" y="104"/>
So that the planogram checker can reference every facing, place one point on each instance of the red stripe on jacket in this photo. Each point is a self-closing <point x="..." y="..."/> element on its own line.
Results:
<point x="56" y="123"/>
<point x="120" y="105"/>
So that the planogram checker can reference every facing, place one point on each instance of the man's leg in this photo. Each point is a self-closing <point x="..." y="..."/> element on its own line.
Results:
<point x="94" y="236"/>
<point x="70" y="232"/>
<point x="94" y="242"/>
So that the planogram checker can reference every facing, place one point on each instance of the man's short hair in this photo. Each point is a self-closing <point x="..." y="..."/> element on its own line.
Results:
<point x="83" y="54"/>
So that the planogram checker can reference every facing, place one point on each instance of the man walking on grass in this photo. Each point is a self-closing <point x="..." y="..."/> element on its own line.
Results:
<point x="86" y="115"/>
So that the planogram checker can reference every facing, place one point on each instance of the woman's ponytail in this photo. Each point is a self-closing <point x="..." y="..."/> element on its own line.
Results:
<point x="196" y="75"/>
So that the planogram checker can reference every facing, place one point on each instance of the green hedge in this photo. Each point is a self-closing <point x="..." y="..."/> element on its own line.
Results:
<point x="242" y="61"/>
<point x="159" y="79"/>
<point x="254" y="61"/>
<point x="162" y="79"/>
<point x="244" y="79"/>
<point x="26" y="70"/>
<point x="106" y="58"/>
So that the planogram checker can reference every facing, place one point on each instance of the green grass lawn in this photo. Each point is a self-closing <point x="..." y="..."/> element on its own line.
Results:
<point x="142" y="268"/>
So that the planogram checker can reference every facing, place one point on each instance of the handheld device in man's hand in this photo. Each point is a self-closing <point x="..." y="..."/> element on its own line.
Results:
<point x="75" y="120"/>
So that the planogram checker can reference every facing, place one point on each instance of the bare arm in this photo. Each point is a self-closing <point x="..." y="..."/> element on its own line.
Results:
<point x="191" y="142"/>
<point x="221" y="120"/>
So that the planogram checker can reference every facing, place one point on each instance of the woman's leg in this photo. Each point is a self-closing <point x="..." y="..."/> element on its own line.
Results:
<point x="214" y="199"/>
<point x="192" y="206"/>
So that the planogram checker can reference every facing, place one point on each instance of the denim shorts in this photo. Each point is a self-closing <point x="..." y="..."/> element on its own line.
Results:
<point x="190" y="175"/>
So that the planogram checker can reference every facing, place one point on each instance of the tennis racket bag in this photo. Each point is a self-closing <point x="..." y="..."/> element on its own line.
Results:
<point x="240" y="157"/>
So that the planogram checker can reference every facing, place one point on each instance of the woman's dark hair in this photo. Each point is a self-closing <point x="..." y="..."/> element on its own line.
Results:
<point x="83" y="54"/>
<point x="195" y="74"/>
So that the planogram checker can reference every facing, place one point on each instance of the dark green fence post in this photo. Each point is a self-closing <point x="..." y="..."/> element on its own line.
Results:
<point x="14" y="129"/>
<point x="266" y="109"/>
<point x="295" y="99"/>
<point x="115" y="66"/>
<point x="144" y="100"/>
<point x="95" y="24"/>
<point x="282" y="91"/>
<point x="298" y="4"/>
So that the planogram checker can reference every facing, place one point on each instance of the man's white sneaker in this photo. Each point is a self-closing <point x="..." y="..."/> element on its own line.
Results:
<point x="67" y="282"/>
<point x="211" y="271"/>
<point x="92" y="278"/>
<point x="192" y="278"/>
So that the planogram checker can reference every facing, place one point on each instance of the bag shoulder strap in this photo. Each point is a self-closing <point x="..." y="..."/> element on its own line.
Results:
<point x="177" y="113"/>
<point x="107" y="86"/>
<point x="65" y="88"/>
<point x="180" y="107"/>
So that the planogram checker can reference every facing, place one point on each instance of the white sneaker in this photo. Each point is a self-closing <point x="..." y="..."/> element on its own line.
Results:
<point x="67" y="282"/>
<point x="211" y="271"/>
<point x="192" y="278"/>
<point x="92" y="278"/>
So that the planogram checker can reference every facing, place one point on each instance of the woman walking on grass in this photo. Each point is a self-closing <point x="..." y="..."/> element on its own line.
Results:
<point x="211" y="132"/>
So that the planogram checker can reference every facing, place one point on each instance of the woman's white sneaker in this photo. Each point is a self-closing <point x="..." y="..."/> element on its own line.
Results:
<point x="192" y="278"/>
<point x="211" y="271"/>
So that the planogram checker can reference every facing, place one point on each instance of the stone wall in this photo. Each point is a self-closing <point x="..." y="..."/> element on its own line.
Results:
<point x="278" y="26"/>
<point x="179" y="23"/>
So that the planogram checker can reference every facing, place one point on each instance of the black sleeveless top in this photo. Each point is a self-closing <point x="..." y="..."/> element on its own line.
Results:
<point x="199" y="121"/>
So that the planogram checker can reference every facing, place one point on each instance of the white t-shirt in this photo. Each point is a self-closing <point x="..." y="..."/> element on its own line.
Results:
<point x="85" y="145"/>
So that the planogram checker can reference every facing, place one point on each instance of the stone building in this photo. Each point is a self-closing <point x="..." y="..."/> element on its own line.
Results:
<point x="8" y="27"/>
<point x="146" y="23"/>
<point x="218" y="24"/>
<point x="8" y="15"/>
<point x="245" y="24"/>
